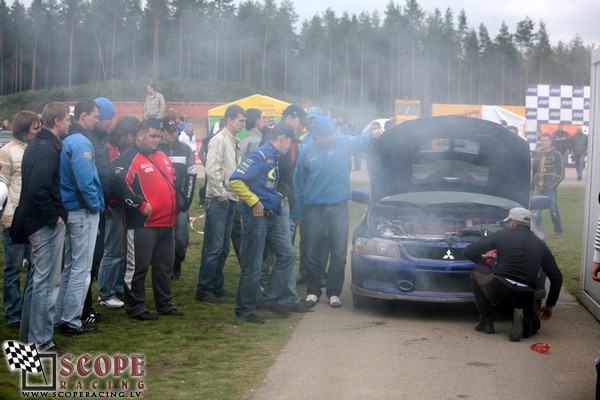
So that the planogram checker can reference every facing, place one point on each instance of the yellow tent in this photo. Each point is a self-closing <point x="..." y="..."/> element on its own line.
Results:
<point x="268" y="105"/>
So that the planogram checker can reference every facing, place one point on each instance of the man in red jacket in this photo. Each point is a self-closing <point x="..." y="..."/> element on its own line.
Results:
<point x="143" y="181"/>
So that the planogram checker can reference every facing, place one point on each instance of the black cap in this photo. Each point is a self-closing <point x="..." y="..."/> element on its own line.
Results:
<point x="296" y="111"/>
<point x="169" y="124"/>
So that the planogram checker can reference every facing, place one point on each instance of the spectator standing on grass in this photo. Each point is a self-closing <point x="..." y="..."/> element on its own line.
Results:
<point x="26" y="125"/>
<point x="154" y="107"/>
<point x="222" y="157"/>
<point x="185" y="133"/>
<point x="184" y="164"/>
<point x="255" y="181"/>
<point x="44" y="216"/>
<point x="112" y="266"/>
<point x="295" y="116"/>
<point x="548" y="173"/>
<point x="322" y="186"/>
<point x="143" y="182"/>
<point x="252" y="140"/>
<point x="83" y="198"/>
<point x="106" y="114"/>
<point x="578" y="146"/>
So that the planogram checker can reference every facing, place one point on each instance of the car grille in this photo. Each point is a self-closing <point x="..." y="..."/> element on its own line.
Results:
<point x="435" y="253"/>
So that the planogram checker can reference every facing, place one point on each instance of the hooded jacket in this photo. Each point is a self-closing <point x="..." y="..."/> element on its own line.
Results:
<point x="80" y="185"/>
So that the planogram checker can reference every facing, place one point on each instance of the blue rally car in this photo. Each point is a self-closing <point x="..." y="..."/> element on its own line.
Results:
<point x="437" y="184"/>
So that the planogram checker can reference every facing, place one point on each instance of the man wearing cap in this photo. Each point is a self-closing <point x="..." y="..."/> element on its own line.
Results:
<point x="255" y="181"/>
<point x="512" y="282"/>
<point x="185" y="181"/>
<point x="83" y="198"/>
<point x="222" y="157"/>
<point x="322" y="185"/>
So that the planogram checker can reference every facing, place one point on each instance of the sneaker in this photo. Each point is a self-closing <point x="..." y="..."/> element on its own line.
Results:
<point x="485" y="327"/>
<point x="174" y="313"/>
<point x="113" y="303"/>
<point x="311" y="298"/>
<point x="68" y="330"/>
<point x="94" y="318"/>
<point x="208" y="297"/>
<point x="516" y="330"/>
<point x="146" y="316"/>
<point x="303" y="306"/>
<point x="254" y="319"/>
<point x="335" y="302"/>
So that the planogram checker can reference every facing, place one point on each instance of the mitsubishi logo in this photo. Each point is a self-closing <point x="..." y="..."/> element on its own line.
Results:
<point x="448" y="255"/>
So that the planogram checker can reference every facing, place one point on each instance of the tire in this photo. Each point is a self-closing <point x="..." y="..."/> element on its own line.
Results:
<point x="359" y="301"/>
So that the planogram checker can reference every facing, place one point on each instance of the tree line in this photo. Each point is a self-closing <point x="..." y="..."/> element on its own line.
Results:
<point x="366" y="59"/>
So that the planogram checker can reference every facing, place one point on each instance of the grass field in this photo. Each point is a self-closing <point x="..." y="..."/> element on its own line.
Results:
<point x="209" y="353"/>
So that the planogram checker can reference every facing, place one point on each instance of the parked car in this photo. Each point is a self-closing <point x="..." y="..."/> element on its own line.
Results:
<point x="437" y="184"/>
<point x="381" y="121"/>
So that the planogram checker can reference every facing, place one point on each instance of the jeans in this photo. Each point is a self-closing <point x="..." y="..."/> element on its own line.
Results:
<point x="112" y="266"/>
<point x="290" y="297"/>
<point x="39" y="296"/>
<point x="325" y="231"/>
<point x="258" y="231"/>
<point x="80" y="239"/>
<point x="182" y="235"/>
<point x="217" y="242"/>
<point x="554" y="214"/>
<point x="14" y="254"/>
<point x="579" y="164"/>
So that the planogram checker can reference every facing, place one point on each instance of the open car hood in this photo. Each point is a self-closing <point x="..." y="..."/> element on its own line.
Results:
<point x="451" y="154"/>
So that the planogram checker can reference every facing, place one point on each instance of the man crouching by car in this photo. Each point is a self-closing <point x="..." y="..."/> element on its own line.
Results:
<point x="512" y="282"/>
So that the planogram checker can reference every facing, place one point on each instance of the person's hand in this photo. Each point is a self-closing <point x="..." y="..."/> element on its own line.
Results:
<point x="595" y="270"/>
<point x="546" y="313"/>
<point x="147" y="210"/>
<point x="298" y="221"/>
<point x="59" y="220"/>
<point x="108" y="213"/>
<point x="258" y="210"/>
<point x="376" y="133"/>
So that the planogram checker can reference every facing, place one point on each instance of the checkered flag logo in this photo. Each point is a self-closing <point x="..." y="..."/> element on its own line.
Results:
<point x="22" y="356"/>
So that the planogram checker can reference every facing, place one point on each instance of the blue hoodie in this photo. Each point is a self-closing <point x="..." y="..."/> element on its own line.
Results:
<point x="322" y="176"/>
<point x="79" y="182"/>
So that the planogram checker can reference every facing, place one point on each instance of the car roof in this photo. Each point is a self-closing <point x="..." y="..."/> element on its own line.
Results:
<point x="398" y="158"/>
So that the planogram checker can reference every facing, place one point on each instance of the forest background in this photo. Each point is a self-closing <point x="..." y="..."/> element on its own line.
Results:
<point x="216" y="51"/>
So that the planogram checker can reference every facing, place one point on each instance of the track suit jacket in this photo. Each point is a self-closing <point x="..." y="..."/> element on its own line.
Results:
<point x="137" y="181"/>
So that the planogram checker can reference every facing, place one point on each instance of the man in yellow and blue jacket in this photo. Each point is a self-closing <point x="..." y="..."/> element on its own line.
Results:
<point x="255" y="182"/>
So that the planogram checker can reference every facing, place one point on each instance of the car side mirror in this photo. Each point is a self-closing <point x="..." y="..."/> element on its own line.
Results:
<point x="540" y="203"/>
<point x="361" y="196"/>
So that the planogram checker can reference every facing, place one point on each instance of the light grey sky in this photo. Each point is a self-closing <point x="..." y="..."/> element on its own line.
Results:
<point x="563" y="18"/>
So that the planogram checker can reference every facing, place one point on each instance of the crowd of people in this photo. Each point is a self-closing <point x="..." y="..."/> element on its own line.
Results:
<point x="97" y="201"/>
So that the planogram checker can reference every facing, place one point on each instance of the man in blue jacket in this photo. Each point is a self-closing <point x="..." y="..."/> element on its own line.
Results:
<point x="83" y="198"/>
<point x="322" y="184"/>
<point x="255" y="181"/>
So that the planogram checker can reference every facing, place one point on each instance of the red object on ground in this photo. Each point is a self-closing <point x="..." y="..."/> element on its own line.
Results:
<point x="540" y="347"/>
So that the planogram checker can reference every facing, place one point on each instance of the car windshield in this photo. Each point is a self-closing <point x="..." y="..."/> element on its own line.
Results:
<point x="438" y="215"/>
<point x="438" y="159"/>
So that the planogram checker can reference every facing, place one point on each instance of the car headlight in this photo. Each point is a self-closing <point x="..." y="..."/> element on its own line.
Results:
<point x="376" y="247"/>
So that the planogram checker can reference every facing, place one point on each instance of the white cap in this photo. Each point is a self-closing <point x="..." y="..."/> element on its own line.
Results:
<point x="519" y="214"/>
